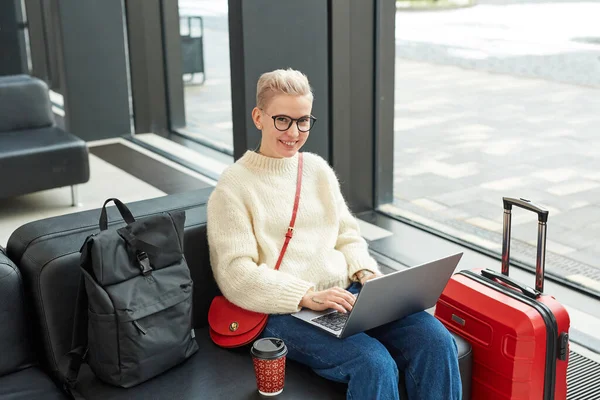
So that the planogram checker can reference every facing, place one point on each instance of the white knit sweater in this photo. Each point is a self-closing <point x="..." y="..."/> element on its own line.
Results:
<point x="248" y="215"/>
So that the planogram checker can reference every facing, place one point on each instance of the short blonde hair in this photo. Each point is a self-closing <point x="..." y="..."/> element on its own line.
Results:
<point x="281" y="81"/>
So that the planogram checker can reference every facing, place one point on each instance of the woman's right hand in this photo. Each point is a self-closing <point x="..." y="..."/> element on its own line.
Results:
<point x="337" y="298"/>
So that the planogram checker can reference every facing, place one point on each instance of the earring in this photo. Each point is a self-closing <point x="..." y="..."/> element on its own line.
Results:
<point x="259" y="126"/>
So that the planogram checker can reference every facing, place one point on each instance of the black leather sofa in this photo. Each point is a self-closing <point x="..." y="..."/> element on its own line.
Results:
<point x="20" y="374"/>
<point x="38" y="287"/>
<point x="35" y="153"/>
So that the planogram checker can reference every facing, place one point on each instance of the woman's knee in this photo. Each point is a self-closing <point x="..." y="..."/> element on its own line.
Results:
<point x="438" y="338"/>
<point x="378" y="363"/>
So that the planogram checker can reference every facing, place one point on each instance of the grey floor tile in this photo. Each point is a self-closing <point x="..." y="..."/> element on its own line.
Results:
<point x="588" y="256"/>
<point x="578" y="219"/>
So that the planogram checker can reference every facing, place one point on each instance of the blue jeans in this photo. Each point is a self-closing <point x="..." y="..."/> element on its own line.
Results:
<point x="418" y="345"/>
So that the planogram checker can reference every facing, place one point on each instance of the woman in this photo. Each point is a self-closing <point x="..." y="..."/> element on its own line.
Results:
<point x="326" y="261"/>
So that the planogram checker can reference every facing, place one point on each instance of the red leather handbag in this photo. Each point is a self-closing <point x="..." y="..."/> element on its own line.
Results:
<point x="233" y="326"/>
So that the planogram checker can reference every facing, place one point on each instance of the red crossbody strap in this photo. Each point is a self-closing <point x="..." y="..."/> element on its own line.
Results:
<point x="290" y="231"/>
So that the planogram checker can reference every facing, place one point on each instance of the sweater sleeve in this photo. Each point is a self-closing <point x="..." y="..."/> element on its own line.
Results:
<point x="349" y="241"/>
<point x="234" y="256"/>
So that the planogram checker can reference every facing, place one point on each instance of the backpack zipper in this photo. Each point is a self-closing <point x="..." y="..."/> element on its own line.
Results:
<point x="138" y="327"/>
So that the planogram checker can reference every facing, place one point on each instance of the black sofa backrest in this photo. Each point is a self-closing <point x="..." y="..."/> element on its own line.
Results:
<point x="24" y="104"/>
<point x="15" y="348"/>
<point x="47" y="252"/>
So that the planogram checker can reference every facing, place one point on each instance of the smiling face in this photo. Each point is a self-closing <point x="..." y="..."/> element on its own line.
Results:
<point x="276" y="143"/>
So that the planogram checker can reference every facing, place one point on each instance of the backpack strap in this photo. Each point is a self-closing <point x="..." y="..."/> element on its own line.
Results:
<point x="70" y="363"/>
<point x="123" y="210"/>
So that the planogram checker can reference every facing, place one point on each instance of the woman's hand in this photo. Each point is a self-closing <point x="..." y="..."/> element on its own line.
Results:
<point x="369" y="276"/>
<point x="364" y="275"/>
<point x="336" y="298"/>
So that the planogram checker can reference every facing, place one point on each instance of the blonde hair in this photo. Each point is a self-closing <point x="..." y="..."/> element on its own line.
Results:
<point x="281" y="81"/>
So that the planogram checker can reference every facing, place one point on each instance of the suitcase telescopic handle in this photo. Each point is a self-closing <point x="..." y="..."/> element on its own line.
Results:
<point x="527" y="291"/>
<point x="541" y="242"/>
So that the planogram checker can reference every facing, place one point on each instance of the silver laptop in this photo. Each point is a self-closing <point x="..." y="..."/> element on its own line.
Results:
<point x="387" y="298"/>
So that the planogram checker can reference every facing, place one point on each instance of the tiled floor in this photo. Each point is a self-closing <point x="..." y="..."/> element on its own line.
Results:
<point x="514" y="98"/>
<point x="453" y="169"/>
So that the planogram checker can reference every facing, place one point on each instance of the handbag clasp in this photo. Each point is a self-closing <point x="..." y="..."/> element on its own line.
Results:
<point x="234" y="326"/>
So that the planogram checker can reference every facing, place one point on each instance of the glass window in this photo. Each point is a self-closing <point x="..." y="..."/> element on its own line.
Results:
<point x="493" y="100"/>
<point x="204" y="31"/>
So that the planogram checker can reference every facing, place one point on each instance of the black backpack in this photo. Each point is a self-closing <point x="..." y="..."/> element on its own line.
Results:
<point x="133" y="316"/>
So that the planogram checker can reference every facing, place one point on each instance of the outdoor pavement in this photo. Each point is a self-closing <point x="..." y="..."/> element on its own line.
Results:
<point x="492" y="100"/>
<point x="208" y="105"/>
<point x="464" y="139"/>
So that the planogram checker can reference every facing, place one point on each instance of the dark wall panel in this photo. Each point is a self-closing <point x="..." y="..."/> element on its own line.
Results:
<point x="94" y="68"/>
<point x="13" y="59"/>
<point x="385" y="63"/>
<point x="266" y="35"/>
<point x="37" y="39"/>
<point x="346" y="47"/>
<point x="174" y="66"/>
<point x="147" y="61"/>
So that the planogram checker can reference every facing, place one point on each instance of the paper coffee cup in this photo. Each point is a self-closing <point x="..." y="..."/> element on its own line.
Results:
<point x="268" y="356"/>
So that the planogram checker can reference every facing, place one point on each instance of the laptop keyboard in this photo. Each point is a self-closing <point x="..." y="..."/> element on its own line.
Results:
<point x="334" y="321"/>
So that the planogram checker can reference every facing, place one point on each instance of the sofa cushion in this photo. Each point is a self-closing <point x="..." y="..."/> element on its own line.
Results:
<point x="24" y="104"/>
<point x="15" y="352"/>
<point x="213" y="373"/>
<point x="43" y="158"/>
<point x="29" y="384"/>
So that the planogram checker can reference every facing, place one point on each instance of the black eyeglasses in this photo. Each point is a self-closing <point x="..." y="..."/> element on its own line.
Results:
<point x="283" y="122"/>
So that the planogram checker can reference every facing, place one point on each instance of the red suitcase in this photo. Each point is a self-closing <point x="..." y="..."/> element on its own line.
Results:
<point x="519" y="335"/>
